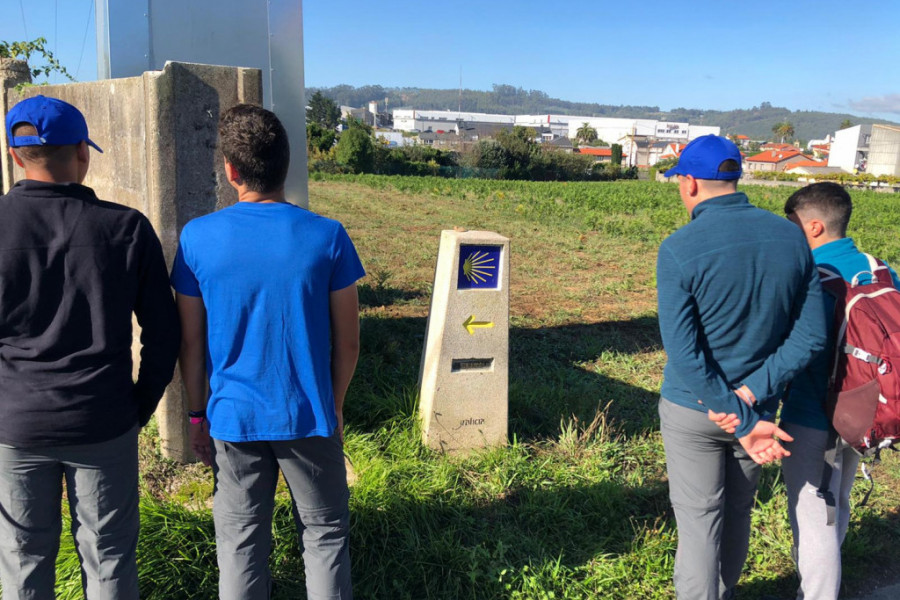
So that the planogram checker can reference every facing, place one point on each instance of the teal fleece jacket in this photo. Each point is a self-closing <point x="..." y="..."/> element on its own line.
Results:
<point x="739" y="304"/>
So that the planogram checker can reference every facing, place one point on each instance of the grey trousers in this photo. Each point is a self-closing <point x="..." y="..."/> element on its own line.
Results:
<point x="102" y="489"/>
<point x="246" y="475"/>
<point x="817" y="546"/>
<point x="712" y="487"/>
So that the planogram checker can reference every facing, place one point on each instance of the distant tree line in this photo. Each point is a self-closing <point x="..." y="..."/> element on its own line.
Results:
<point x="513" y="154"/>
<point x="755" y="122"/>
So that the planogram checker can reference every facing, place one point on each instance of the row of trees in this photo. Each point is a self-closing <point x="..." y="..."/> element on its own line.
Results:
<point x="514" y="154"/>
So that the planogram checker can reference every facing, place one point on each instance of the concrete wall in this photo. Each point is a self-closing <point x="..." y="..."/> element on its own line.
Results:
<point x="12" y="73"/>
<point x="158" y="135"/>
<point x="884" y="150"/>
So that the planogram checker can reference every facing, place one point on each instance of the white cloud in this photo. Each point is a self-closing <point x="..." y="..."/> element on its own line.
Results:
<point x="889" y="103"/>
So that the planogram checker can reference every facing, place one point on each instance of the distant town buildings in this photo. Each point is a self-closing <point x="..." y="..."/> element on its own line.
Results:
<point x="643" y="140"/>
<point x="861" y="148"/>
<point x="775" y="160"/>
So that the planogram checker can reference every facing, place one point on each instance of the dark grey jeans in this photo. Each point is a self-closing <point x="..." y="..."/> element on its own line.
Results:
<point x="712" y="487"/>
<point x="246" y="475"/>
<point x="102" y="488"/>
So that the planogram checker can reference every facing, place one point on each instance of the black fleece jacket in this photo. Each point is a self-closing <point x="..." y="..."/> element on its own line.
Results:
<point x="73" y="270"/>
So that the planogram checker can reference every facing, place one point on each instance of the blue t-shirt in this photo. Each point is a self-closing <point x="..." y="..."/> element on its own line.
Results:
<point x="265" y="273"/>
<point x="805" y="403"/>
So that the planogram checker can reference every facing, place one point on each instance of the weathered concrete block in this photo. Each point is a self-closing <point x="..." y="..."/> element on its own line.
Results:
<point x="464" y="372"/>
<point x="12" y="73"/>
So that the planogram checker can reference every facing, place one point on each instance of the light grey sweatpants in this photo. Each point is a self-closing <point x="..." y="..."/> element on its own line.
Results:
<point x="712" y="487"/>
<point x="817" y="546"/>
<point x="102" y="488"/>
<point x="246" y="474"/>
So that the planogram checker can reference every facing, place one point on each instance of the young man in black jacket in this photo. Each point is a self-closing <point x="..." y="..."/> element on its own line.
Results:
<point x="73" y="270"/>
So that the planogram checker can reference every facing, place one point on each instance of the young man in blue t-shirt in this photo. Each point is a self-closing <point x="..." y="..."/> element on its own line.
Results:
<point x="267" y="296"/>
<point x="822" y="211"/>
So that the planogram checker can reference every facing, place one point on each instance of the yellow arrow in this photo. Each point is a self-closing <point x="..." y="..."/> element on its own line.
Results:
<point x="471" y="324"/>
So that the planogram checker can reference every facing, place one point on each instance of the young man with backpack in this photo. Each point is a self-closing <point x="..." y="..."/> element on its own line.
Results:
<point x="822" y="211"/>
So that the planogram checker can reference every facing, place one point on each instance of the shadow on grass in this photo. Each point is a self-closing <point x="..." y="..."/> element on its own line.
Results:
<point x="563" y="537"/>
<point x="548" y="381"/>
<point x="380" y="295"/>
<point x="412" y="549"/>
<point x="601" y="540"/>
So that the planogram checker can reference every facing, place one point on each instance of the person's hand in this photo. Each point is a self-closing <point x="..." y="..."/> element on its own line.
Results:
<point x="745" y="395"/>
<point x="199" y="436"/>
<point x="762" y="444"/>
<point x="727" y="422"/>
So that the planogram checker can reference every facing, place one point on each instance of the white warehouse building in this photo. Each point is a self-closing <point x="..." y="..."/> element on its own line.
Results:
<point x="609" y="129"/>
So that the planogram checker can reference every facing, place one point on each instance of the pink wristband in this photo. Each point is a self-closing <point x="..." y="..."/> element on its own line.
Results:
<point x="196" y="420"/>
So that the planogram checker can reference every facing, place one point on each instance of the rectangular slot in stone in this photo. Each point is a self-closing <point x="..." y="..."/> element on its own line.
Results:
<point x="471" y="364"/>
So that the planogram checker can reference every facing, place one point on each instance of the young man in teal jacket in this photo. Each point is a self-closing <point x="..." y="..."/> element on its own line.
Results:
<point x="740" y="313"/>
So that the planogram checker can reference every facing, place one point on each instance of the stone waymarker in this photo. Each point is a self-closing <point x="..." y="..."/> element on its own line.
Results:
<point x="463" y="379"/>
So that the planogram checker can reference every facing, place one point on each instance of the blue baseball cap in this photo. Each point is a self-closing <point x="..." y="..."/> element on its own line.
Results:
<point x="703" y="157"/>
<point x="58" y="123"/>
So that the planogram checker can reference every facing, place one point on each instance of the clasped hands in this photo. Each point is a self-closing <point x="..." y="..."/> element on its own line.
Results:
<point x="763" y="443"/>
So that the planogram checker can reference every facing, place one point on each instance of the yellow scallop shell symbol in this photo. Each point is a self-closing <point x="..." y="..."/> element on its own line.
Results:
<point x="477" y="267"/>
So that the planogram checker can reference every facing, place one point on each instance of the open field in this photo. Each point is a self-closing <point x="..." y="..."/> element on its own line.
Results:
<point x="576" y="505"/>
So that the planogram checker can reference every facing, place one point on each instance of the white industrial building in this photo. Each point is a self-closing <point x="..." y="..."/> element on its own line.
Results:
<point x="410" y="119"/>
<point x="850" y="148"/>
<point x="884" y="150"/>
<point x="610" y="130"/>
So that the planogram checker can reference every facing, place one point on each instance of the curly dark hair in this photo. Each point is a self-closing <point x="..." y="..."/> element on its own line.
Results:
<point x="255" y="142"/>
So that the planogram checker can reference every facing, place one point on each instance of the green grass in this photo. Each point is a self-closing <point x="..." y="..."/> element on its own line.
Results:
<point x="576" y="505"/>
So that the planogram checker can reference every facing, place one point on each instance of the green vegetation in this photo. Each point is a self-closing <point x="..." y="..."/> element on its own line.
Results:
<point x="322" y="111"/>
<point x="44" y="67"/>
<point x="586" y="135"/>
<point x="576" y="506"/>
<point x="783" y="130"/>
<point x="356" y="150"/>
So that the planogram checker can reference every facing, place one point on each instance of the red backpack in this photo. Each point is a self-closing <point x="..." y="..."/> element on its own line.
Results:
<point x="863" y="401"/>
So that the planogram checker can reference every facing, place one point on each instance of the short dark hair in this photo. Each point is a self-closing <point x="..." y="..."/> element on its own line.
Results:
<point x="730" y="166"/>
<point x="46" y="155"/>
<point x="830" y="200"/>
<point x="255" y="142"/>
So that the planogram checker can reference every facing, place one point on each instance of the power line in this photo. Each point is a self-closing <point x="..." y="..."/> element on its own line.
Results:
<point x="55" y="27"/>
<point x="24" y="25"/>
<point x="84" y="38"/>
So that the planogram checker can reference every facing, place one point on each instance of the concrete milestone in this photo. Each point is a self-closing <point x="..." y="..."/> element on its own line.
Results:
<point x="463" y="379"/>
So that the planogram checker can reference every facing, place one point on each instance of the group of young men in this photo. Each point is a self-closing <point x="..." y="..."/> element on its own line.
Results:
<point x="268" y="329"/>
<point x="742" y="315"/>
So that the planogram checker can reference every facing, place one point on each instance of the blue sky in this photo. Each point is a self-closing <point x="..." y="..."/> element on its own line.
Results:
<point x="825" y="55"/>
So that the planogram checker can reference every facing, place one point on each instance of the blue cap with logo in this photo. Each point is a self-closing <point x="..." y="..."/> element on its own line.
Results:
<point x="702" y="158"/>
<point x="57" y="123"/>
